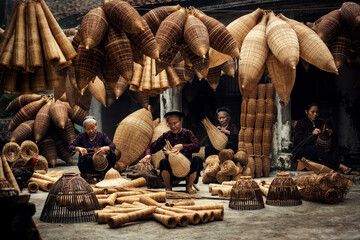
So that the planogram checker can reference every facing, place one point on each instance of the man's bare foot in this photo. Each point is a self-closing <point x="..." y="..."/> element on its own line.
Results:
<point x="168" y="189"/>
<point x="191" y="190"/>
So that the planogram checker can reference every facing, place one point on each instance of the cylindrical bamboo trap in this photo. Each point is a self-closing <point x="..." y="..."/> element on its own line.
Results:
<point x="166" y="220"/>
<point x="119" y="219"/>
<point x="43" y="184"/>
<point x="33" y="187"/>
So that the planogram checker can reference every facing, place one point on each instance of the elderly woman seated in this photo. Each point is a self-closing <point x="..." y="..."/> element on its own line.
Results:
<point x="183" y="141"/>
<point x="90" y="143"/>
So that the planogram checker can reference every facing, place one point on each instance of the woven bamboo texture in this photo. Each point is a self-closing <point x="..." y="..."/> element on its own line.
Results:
<point x="283" y="191"/>
<point x="213" y="77"/>
<point x="312" y="48"/>
<point x="200" y="64"/>
<point x="282" y="76"/>
<point x="94" y="26"/>
<point x="132" y="136"/>
<point x="47" y="148"/>
<point x="340" y="47"/>
<point x="11" y="151"/>
<point x="19" y="50"/>
<point x="158" y="131"/>
<point x="170" y="29"/>
<point x="97" y="90"/>
<point x="20" y="101"/>
<point x="123" y="16"/>
<point x="28" y="150"/>
<point x="253" y="55"/>
<point x="218" y="139"/>
<point x="196" y="35"/>
<point x="22" y="132"/>
<point x="330" y="25"/>
<point x="155" y="16"/>
<point x="246" y="195"/>
<point x="282" y="41"/>
<point x="180" y="165"/>
<point x="350" y="13"/>
<point x="228" y="68"/>
<point x="58" y="113"/>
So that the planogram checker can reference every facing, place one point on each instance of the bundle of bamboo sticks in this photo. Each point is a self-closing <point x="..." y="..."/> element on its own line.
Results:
<point x="42" y="180"/>
<point x="122" y="206"/>
<point x="31" y="48"/>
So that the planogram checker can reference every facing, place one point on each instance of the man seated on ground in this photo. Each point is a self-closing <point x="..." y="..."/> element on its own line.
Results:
<point x="183" y="141"/>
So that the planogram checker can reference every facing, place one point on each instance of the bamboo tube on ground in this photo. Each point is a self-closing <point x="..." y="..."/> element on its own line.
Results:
<point x="230" y="183"/>
<point x="60" y="37"/>
<point x="158" y="196"/>
<point x="43" y="184"/>
<point x="224" y="192"/>
<point x="34" y="51"/>
<point x="264" y="190"/>
<point x="194" y="216"/>
<point x="184" y="203"/>
<point x="119" y="219"/>
<point x="115" y="209"/>
<point x="139" y="204"/>
<point x="166" y="220"/>
<point x="128" y="193"/>
<point x="9" y="175"/>
<point x="47" y="39"/>
<point x="42" y="176"/>
<point x="10" y="28"/>
<point x="218" y="214"/>
<point x="206" y="206"/>
<point x="103" y="217"/>
<point x="181" y="219"/>
<point x="215" y="189"/>
<point x="19" y="52"/>
<point x="110" y="200"/>
<point x="102" y="196"/>
<point x="129" y="199"/>
<point x="149" y="201"/>
<point x="33" y="187"/>
<point x="139" y="182"/>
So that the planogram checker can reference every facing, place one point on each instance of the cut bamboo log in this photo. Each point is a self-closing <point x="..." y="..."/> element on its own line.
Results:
<point x="43" y="184"/>
<point x="166" y="220"/>
<point x="119" y="219"/>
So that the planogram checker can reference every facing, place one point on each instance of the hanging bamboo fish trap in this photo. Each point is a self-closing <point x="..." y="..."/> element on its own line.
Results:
<point x="155" y="16"/>
<point x="22" y="132"/>
<point x="350" y="13"/>
<point x="283" y="191"/>
<point x="70" y="200"/>
<point x="218" y="139"/>
<point x="22" y="100"/>
<point x="246" y="195"/>
<point x="196" y="35"/>
<point x="330" y="25"/>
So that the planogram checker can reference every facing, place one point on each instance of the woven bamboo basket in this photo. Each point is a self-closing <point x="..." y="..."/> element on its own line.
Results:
<point x="145" y="41"/>
<point x="22" y="132"/>
<point x="196" y="35"/>
<point x="213" y="77"/>
<point x="109" y="74"/>
<point x="329" y="25"/>
<point x="269" y="120"/>
<point x="251" y="165"/>
<point x="70" y="200"/>
<point x="189" y="74"/>
<point x="47" y="39"/>
<point x="282" y="41"/>
<point x="155" y="16"/>
<point x="251" y="106"/>
<point x="229" y="168"/>
<point x="241" y="157"/>
<point x="170" y="30"/>
<point x="312" y="48"/>
<point x="11" y="151"/>
<point x="259" y="120"/>
<point x="58" y="113"/>
<point x="261" y="91"/>
<point x="94" y="26"/>
<point x="258" y="166"/>
<point x="217" y="58"/>
<point x="76" y="40"/>
<point x="8" y="30"/>
<point x="270" y="91"/>
<point x="249" y="148"/>
<point x="212" y="159"/>
<point x="267" y="135"/>
<point x="258" y="135"/>
<point x="207" y="179"/>
<point x="180" y="165"/>
<point x="158" y="131"/>
<point x="42" y="163"/>
<point x="283" y="77"/>
<point x="97" y="90"/>
<point x="179" y="69"/>
<point x="88" y="64"/>
<point x="220" y="38"/>
<point x="59" y="35"/>
<point x="47" y="148"/>
<point x="266" y="149"/>
<point x="38" y="81"/>
<point x="242" y="134"/>
<point x="26" y="113"/>
<point x="340" y="47"/>
<point x="200" y="64"/>
<point x="146" y="75"/>
<point x="118" y="48"/>
<point x="19" y="50"/>
<point x="212" y="169"/>
<point x="228" y="68"/>
<point x="6" y="57"/>
<point x="226" y="154"/>
<point x="246" y="195"/>
<point x="221" y="177"/>
<point x="62" y="148"/>
<point x="248" y="135"/>
<point x="139" y="98"/>
<point x="218" y="139"/>
<point x="253" y="54"/>
<point x="18" y="163"/>
<point x="166" y="58"/>
<point x="25" y="84"/>
<point x="28" y="150"/>
<point x="316" y="167"/>
<point x="266" y="163"/>
<point x="132" y="136"/>
<point x="22" y="100"/>
<point x="123" y="16"/>
<point x="283" y="191"/>
<point x="240" y="27"/>
<point x="10" y="82"/>
<point x="250" y="120"/>
<point x="77" y="114"/>
<point x="120" y="87"/>
<point x="68" y="133"/>
<point x="257" y="149"/>
<point x="136" y="79"/>
<point x="350" y="13"/>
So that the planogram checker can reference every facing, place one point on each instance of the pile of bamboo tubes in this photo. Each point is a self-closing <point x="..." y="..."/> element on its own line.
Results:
<point x="43" y="181"/>
<point x="32" y="46"/>
<point x="122" y="206"/>
<point x="223" y="189"/>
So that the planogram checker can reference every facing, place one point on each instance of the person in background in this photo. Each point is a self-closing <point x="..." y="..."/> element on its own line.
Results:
<point x="228" y="127"/>
<point x="306" y="133"/>
<point x="183" y="141"/>
<point x="86" y="142"/>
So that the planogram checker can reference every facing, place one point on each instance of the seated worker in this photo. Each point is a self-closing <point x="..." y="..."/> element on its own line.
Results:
<point x="86" y="142"/>
<point x="306" y="133"/>
<point x="183" y="141"/>
<point x="226" y="126"/>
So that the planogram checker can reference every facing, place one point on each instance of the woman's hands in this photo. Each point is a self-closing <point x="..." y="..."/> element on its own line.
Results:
<point x="316" y="131"/>
<point x="223" y="130"/>
<point x="177" y="148"/>
<point x="82" y="150"/>
<point x="146" y="159"/>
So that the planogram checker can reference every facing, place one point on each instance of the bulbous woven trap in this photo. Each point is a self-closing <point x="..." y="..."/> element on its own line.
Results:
<point x="283" y="191"/>
<point x="70" y="200"/>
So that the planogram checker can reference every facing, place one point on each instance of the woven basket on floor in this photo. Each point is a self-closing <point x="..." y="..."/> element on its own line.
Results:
<point x="70" y="200"/>
<point x="28" y="149"/>
<point x="283" y="191"/>
<point x="11" y="151"/>
<point x="246" y="195"/>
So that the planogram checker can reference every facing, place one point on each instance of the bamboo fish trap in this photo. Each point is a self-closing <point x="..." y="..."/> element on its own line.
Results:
<point x="196" y="35"/>
<point x="11" y="151"/>
<point x="180" y="165"/>
<point x="283" y="191"/>
<point x="246" y="195"/>
<point x="70" y="200"/>
<point x="218" y="139"/>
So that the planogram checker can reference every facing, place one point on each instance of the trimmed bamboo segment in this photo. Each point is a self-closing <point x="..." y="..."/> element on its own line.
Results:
<point x="312" y="48"/>
<point x="22" y="132"/>
<point x="166" y="220"/>
<point x="205" y="206"/>
<point x="282" y="76"/>
<point x="282" y="41"/>
<point x="136" y="78"/>
<point x="33" y="187"/>
<point x="330" y="25"/>
<point x="146" y="75"/>
<point x="43" y="184"/>
<point x="123" y="16"/>
<point x="47" y="38"/>
<point x="219" y="36"/>
<point x="119" y="219"/>
<point x="240" y="27"/>
<point x="44" y="177"/>
<point x="155" y="16"/>
<point x="26" y="113"/>
<point x="170" y="30"/>
<point x="61" y="39"/>
<point x="196" y="35"/>
<point x="94" y="26"/>
<point x="19" y="51"/>
<point x="253" y="55"/>
<point x="145" y="41"/>
<point x="118" y="48"/>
